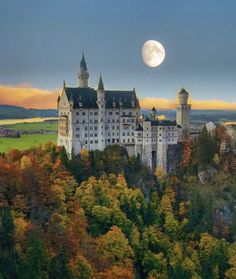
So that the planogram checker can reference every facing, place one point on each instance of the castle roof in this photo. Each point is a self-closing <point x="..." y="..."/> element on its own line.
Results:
<point x="183" y="92"/>
<point x="153" y="109"/>
<point x="140" y="128"/>
<point x="87" y="97"/>
<point x="163" y="123"/>
<point x="83" y="64"/>
<point x="100" y="84"/>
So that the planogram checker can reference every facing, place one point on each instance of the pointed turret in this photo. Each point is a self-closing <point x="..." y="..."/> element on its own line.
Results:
<point x="83" y="74"/>
<point x="100" y="84"/>
<point x="83" y="64"/>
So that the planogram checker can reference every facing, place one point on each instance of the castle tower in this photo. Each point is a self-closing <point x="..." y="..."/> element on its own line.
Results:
<point x="147" y="142"/>
<point x="183" y="110"/>
<point x="101" y="114"/>
<point x="83" y="74"/>
<point x="153" y="114"/>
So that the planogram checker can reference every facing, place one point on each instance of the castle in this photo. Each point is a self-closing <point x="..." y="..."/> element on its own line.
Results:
<point x="95" y="118"/>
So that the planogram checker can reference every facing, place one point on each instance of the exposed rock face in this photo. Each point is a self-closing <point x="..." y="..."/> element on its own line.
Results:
<point x="206" y="175"/>
<point x="174" y="156"/>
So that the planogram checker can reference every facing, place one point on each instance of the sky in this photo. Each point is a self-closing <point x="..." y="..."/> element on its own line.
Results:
<point x="41" y="44"/>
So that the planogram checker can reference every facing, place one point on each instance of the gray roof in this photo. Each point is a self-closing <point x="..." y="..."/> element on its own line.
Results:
<point x="114" y="98"/>
<point x="100" y="84"/>
<point x="83" y="64"/>
<point x="140" y="128"/>
<point x="183" y="92"/>
<point x="163" y="123"/>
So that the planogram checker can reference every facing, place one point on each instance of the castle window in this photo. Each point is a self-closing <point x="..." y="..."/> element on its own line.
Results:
<point x="123" y="134"/>
<point x="139" y="134"/>
<point x="128" y="134"/>
<point x="91" y="121"/>
<point x="95" y="135"/>
<point x="77" y="136"/>
<point x="77" y="113"/>
<point x="86" y="142"/>
<point x="110" y="112"/>
<point x="95" y="113"/>
<point x="117" y="113"/>
<point x="77" y="129"/>
<point x="85" y="128"/>
<point x="95" y="128"/>
<point x="130" y="112"/>
<point x="91" y="113"/>
<point x="128" y="140"/>
<point x="108" y="120"/>
<point x="95" y="121"/>
<point x="113" y="128"/>
<point x="77" y="121"/>
<point x="91" y="135"/>
<point x="86" y="135"/>
<point x="90" y="128"/>
<point x="117" y="120"/>
<point x="132" y="140"/>
<point x="83" y="113"/>
<point x="96" y="141"/>
<point x="108" y="140"/>
<point x="83" y="121"/>
<point x="123" y="120"/>
<point x="113" y="120"/>
<point x="123" y="140"/>
<point x="91" y="141"/>
<point x="159" y="140"/>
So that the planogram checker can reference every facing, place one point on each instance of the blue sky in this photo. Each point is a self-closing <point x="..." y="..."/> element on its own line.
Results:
<point x="42" y="43"/>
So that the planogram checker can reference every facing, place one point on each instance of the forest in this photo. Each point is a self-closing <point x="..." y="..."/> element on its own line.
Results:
<point x="105" y="215"/>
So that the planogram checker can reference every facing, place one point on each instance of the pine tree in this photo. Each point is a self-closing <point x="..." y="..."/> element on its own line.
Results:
<point x="36" y="262"/>
<point x="59" y="266"/>
<point x="9" y="260"/>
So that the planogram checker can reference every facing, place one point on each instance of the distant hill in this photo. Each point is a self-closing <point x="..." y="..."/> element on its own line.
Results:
<point x="201" y="116"/>
<point x="15" y="112"/>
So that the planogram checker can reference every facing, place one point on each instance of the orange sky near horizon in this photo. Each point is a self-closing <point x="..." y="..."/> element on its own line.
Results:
<point x="30" y="97"/>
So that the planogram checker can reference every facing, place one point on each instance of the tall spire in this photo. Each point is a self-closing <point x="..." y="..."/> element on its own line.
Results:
<point x="83" y="64"/>
<point x="100" y="84"/>
<point x="83" y="74"/>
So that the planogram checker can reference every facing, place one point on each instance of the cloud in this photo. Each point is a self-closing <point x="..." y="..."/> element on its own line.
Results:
<point x="164" y="103"/>
<point x="29" y="97"/>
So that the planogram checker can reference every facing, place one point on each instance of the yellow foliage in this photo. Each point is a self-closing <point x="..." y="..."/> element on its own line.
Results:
<point x="166" y="204"/>
<point x="115" y="246"/>
<point x="121" y="180"/>
<point x="25" y="162"/>
<point x="207" y="243"/>
<point x="171" y="194"/>
<point x="160" y="173"/>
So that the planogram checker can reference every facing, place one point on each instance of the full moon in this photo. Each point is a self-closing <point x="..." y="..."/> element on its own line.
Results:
<point x="153" y="53"/>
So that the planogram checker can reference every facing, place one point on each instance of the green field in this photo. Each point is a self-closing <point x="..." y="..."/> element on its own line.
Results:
<point x="26" y="141"/>
<point x="46" y="125"/>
